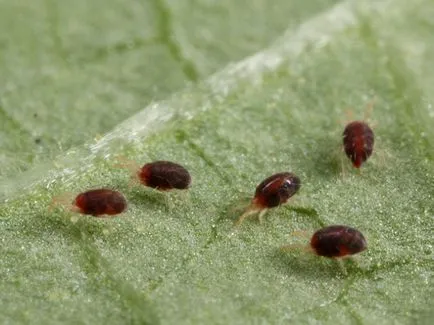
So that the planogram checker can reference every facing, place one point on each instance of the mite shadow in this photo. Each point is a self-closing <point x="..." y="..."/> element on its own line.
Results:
<point x="307" y="265"/>
<point x="60" y="223"/>
<point x="311" y="213"/>
<point x="234" y="208"/>
<point x="149" y="199"/>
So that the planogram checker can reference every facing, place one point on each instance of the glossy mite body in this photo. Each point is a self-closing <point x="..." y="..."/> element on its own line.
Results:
<point x="100" y="202"/>
<point x="164" y="176"/>
<point x="272" y="192"/>
<point x="358" y="139"/>
<point x="337" y="241"/>
<point x="276" y="190"/>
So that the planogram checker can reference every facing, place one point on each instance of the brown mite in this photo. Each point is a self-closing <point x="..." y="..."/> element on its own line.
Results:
<point x="272" y="192"/>
<point x="334" y="242"/>
<point x="337" y="241"/>
<point x="161" y="175"/>
<point x="100" y="202"/>
<point x="358" y="139"/>
<point x="164" y="176"/>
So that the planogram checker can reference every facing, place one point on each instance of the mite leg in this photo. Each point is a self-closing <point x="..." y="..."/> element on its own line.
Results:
<point x="343" y="173"/>
<point x="296" y="247"/>
<point x="64" y="200"/>
<point x="349" y="115"/>
<point x="261" y="215"/>
<point x="369" y="109"/>
<point x="341" y="266"/>
<point x="300" y="234"/>
<point x="168" y="201"/>
<point x="131" y="165"/>
<point x="133" y="182"/>
<point x="250" y="211"/>
<point x="183" y="195"/>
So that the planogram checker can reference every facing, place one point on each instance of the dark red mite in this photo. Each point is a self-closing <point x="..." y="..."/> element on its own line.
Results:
<point x="164" y="176"/>
<point x="358" y="140"/>
<point x="337" y="241"/>
<point x="272" y="192"/>
<point x="100" y="202"/>
<point x="276" y="190"/>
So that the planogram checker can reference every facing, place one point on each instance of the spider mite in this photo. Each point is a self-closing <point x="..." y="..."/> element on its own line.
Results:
<point x="161" y="175"/>
<point x="272" y="192"/>
<point x="336" y="242"/>
<point x="358" y="140"/>
<point x="164" y="175"/>
<point x="99" y="202"/>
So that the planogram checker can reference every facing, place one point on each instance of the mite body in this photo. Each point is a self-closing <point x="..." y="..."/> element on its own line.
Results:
<point x="100" y="202"/>
<point x="164" y="176"/>
<point x="358" y="140"/>
<point x="276" y="190"/>
<point x="337" y="241"/>
<point x="272" y="192"/>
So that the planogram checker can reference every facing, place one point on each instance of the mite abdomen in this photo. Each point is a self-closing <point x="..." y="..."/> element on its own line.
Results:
<point x="100" y="201"/>
<point x="164" y="175"/>
<point x="358" y="140"/>
<point x="337" y="241"/>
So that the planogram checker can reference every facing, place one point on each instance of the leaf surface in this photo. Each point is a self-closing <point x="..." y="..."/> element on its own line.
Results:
<point x="177" y="259"/>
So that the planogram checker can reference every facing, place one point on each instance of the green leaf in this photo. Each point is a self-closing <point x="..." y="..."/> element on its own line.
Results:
<point x="175" y="259"/>
<point x="68" y="74"/>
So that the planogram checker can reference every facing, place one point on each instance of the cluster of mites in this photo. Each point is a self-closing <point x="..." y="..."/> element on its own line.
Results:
<point x="333" y="241"/>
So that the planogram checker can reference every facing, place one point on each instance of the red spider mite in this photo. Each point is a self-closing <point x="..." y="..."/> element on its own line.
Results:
<point x="358" y="140"/>
<point x="335" y="242"/>
<point x="100" y="202"/>
<point x="164" y="175"/>
<point x="161" y="175"/>
<point x="272" y="192"/>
